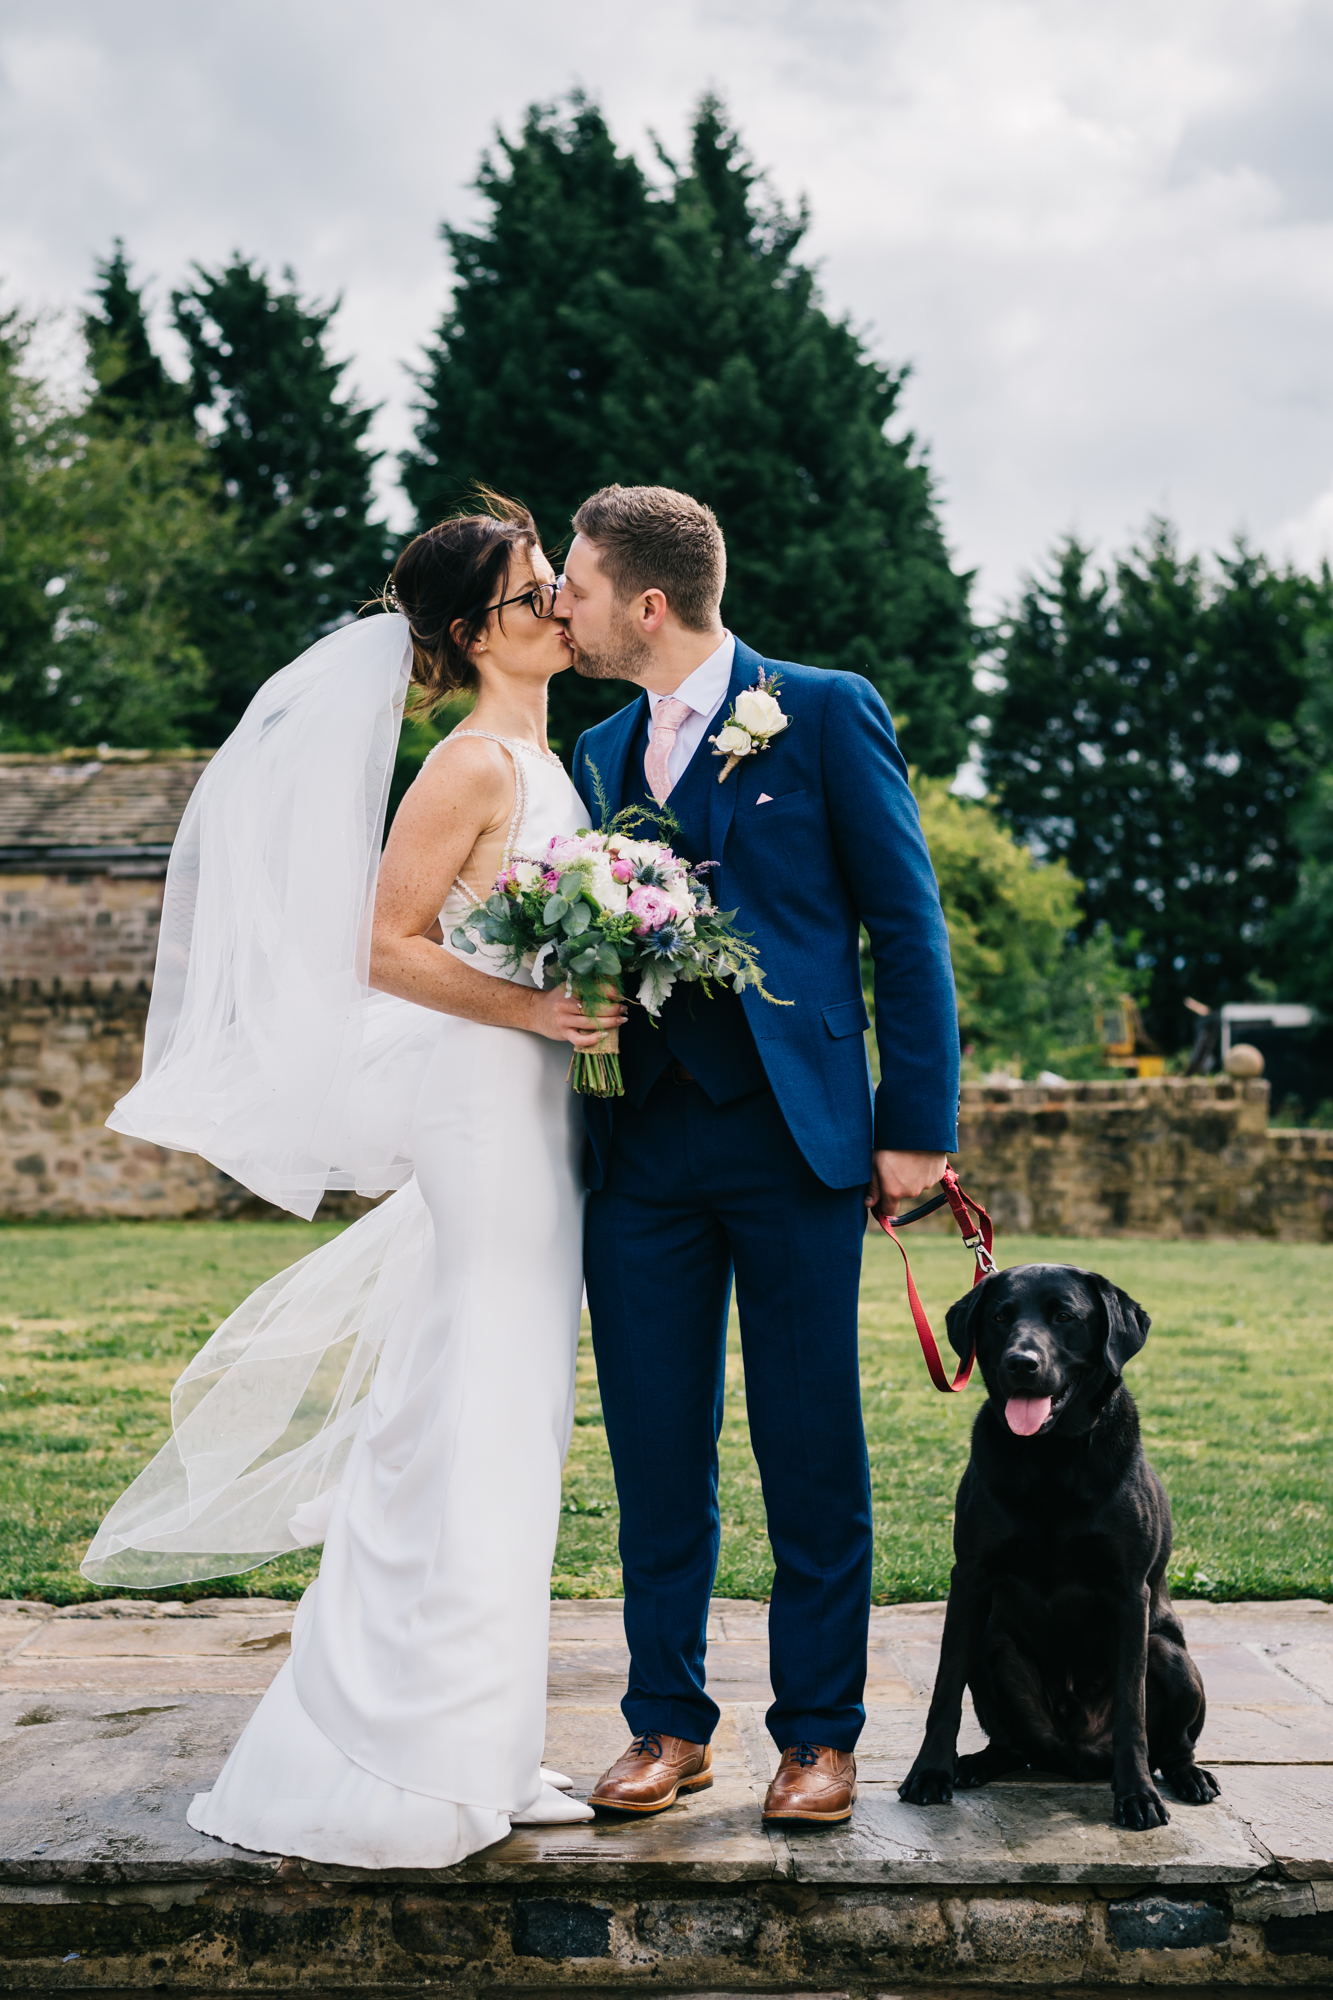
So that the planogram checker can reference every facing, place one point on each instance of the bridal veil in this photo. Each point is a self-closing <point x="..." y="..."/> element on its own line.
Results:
<point x="267" y="1053"/>
<point x="261" y="1023"/>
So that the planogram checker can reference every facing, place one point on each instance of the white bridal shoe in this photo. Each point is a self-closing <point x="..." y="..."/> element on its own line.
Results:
<point x="556" y="1778"/>
<point x="552" y="1808"/>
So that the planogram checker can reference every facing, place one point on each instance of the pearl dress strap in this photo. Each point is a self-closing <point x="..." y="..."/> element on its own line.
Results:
<point x="512" y="744"/>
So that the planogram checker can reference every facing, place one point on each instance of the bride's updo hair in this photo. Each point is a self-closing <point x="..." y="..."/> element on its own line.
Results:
<point x="446" y="578"/>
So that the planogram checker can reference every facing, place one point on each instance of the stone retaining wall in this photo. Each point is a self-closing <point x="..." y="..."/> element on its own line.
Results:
<point x="66" y="1055"/>
<point x="324" y="1931"/>
<point x="1165" y="1157"/>
<point x="1161" y="1156"/>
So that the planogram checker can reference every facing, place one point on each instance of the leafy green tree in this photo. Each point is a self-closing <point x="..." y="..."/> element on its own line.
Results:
<point x="110" y="538"/>
<point x="602" y="330"/>
<point x="139" y="546"/>
<point x="288" y="446"/>
<point x="1143" y="734"/>
<point x="1029" y="991"/>
<point x="27" y="613"/>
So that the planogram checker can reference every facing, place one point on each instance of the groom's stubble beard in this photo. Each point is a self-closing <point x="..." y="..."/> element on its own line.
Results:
<point x="623" y="657"/>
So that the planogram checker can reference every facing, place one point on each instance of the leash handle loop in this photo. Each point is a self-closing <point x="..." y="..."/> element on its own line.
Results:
<point x="978" y="1237"/>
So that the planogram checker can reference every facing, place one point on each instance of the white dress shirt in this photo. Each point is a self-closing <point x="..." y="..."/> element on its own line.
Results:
<point x="705" y="690"/>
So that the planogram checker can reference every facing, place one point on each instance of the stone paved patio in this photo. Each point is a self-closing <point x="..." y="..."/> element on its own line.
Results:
<point x="112" y="1715"/>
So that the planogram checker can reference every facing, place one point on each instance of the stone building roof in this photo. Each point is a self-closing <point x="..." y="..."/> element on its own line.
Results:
<point x="89" y="812"/>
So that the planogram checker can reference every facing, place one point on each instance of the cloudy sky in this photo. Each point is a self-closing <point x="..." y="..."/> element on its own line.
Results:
<point x="1101" y="235"/>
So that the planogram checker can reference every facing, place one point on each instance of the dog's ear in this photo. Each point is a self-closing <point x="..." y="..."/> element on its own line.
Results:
<point x="1126" y="1323"/>
<point x="963" y="1320"/>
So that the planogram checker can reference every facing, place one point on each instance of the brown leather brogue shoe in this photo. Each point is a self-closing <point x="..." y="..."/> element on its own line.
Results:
<point x="812" y="1783"/>
<point x="653" y="1773"/>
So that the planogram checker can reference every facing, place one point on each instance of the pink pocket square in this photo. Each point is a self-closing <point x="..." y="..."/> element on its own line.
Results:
<point x="764" y="799"/>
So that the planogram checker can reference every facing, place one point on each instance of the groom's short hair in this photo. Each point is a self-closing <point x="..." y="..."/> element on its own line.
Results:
<point x="653" y="538"/>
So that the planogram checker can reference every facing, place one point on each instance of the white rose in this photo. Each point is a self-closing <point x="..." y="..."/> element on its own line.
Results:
<point x="759" y="713"/>
<point x="733" y="742"/>
<point x="611" y="895"/>
<point x="526" y="873"/>
<point x="636" y="852"/>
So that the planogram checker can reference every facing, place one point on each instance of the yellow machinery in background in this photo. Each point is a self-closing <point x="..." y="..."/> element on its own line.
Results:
<point x="1126" y="1043"/>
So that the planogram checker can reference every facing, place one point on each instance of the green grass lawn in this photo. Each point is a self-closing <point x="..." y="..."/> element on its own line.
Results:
<point x="1234" y="1387"/>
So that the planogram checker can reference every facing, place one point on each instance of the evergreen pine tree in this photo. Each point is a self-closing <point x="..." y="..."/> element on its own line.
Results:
<point x="1304" y="932"/>
<point x="1144" y="734"/>
<point x="288" y="446"/>
<point x="132" y="384"/>
<point x="602" y="331"/>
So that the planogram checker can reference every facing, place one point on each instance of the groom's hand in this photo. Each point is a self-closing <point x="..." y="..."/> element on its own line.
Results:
<point x="898" y="1177"/>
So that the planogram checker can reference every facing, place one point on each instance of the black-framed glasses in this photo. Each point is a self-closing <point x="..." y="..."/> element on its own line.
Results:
<point x="540" y="600"/>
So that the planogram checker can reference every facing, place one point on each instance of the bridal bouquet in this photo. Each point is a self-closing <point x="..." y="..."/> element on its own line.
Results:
<point x="596" y="908"/>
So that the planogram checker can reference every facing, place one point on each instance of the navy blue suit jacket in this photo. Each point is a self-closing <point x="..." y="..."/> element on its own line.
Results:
<point x="838" y="845"/>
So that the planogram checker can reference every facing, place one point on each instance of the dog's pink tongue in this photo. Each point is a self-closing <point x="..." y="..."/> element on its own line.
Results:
<point x="1027" y="1414"/>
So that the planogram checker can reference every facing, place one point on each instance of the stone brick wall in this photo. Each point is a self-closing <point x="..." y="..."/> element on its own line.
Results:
<point x="66" y="1055"/>
<point x="1161" y="1156"/>
<point x="76" y="927"/>
<point x="1166" y="1157"/>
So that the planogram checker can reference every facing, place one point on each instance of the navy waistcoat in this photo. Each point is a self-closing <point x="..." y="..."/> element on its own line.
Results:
<point x="711" y="1037"/>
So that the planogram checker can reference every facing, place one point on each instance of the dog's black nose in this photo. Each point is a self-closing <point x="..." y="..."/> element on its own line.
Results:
<point x="1022" y="1361"/>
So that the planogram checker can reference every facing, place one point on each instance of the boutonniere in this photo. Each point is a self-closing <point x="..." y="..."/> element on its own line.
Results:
<point x="753" y="723"/>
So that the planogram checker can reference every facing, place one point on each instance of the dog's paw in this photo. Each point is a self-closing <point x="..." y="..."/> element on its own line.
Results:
<point x="1192" y="1785"/>
<point x="977" y="1768"/>
<point x="925" y="1785"/>
<point x="1139" y="1811"/>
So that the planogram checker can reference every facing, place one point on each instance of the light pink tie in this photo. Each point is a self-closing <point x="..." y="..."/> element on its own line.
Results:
<point x="666" y="722"/>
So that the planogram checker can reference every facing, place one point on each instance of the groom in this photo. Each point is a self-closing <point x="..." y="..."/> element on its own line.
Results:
<point x="747" y="1144"/>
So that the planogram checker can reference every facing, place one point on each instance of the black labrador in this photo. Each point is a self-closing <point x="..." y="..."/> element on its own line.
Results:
<point x="1059" y="1617"/>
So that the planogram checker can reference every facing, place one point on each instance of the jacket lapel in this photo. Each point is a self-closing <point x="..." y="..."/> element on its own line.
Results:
<point x="613" y="756"/>
<point x="722" y="797"/>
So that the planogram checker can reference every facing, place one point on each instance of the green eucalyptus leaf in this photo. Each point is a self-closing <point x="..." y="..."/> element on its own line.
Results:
<point x="556" y="907"/>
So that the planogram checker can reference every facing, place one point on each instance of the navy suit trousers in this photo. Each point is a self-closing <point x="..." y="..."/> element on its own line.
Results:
<point x="693" y="1192"/>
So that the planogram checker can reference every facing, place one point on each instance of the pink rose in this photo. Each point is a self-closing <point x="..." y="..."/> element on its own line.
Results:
<point x="622" y="871"/>
<point x="565" y="849"/>
<point x="651" y="909"/>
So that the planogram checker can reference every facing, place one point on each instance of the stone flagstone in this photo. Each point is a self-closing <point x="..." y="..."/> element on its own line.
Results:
<point x="113" y="1714"/>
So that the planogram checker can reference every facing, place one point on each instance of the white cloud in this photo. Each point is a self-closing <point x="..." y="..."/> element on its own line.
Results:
<point x="1102" y="236"/>
<point x="1307" y="538"/>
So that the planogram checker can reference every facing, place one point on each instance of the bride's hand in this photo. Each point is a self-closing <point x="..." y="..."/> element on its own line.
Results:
<point x="563" y="1019"/>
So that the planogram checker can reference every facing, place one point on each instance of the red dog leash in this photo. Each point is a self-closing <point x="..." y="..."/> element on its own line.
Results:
<point x="979" y="1238"/>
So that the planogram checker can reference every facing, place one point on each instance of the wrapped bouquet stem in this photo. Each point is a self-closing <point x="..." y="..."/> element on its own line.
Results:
<point x="595" y="1072"/>
<point x="598" y="909"/>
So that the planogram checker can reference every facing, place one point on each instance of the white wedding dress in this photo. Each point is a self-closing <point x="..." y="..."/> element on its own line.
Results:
<point x="407" y="1727"/>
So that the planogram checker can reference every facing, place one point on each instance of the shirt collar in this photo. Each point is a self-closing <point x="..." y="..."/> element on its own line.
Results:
<point x="705" y="688"/>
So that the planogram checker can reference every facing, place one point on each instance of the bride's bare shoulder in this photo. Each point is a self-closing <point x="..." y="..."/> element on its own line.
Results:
<point x="465" y="784"/>
<point x="466" y="763"/>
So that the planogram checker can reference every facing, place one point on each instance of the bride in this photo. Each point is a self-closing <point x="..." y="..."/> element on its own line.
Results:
<point x="405" y="1394"/>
